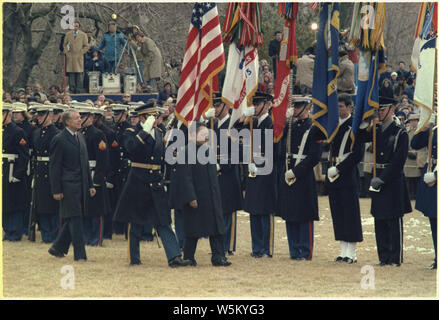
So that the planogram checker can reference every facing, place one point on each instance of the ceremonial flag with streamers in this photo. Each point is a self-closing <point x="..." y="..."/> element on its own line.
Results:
<point x="203" y="60"/>
<point x="287" y="56"/>
<point x="423" y="61"/>
<point x="242" y="29"/>
<point x="326" y="71"/>
<point x="367" y="35"/>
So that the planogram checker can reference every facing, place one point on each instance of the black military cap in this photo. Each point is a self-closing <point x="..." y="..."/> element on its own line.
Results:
<point x="261" y="97"/>
<point x="386" y="102"/>
<point x="149" y="107"/>
<point x="216" y="98"/>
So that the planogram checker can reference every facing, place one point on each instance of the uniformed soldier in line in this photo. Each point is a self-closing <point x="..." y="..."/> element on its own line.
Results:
<point x="390" y="200"/>
<point x="58" y="109"/>
<point x="144" y="199"/>
<point x="46" y="208"/>
<point x="260" y="208"/>
<point x="298" y="153"/>
<point x="228" y="173"/>
<point x="99" y="162"/>
<point x="120" y="112"/>
<point x="341" y="182"/>
<point x="426" y="199"/>
<point x="412" y="171"/>
<point x="15" y="162"/>
<point x="21" y="118"/>
<point x="196" y="193"/>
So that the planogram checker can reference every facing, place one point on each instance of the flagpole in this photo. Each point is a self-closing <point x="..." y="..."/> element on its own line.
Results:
<point x="374" y="149"/>
<point x="252" y="175"/>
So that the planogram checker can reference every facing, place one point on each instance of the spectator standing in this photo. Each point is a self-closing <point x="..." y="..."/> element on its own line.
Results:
<point x="112" y="42"/>
<point x="274" y="49"/>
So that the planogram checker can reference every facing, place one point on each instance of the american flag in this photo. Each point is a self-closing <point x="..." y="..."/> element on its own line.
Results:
<point x="203" y="60"/>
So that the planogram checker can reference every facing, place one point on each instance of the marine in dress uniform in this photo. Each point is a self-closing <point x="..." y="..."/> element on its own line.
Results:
<point x="144" y="199"/>
<point x="426" y="199"/>
<point x="390" y="200"/>
<point x="196" y="193"/>
<point x="99" y="205"/>
<point x="228" y="173"/>
<point x="15" y="162"/>
<point x="46" y="208"/>
<point x="341" y="182"/>
<point x="114" y="159"/>
<point x="298" y="153"/>
<point x="20" y="117"/>
<point x="260" y="208"/>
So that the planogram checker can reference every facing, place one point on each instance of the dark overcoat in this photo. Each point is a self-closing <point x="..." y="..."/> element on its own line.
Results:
<point x="70" y="174"/>
<point x="198" y="182"/>
<point x="426" y="197"/>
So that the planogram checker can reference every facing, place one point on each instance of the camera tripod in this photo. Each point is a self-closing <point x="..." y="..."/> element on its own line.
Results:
<point x="133" y="54"/>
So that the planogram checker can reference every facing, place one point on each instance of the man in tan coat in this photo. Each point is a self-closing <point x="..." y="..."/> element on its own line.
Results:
<point x="305" y="70"/>
<point x="75" y="46"/>
<point x="345" y="81"/>
<point x="153" y="62"/>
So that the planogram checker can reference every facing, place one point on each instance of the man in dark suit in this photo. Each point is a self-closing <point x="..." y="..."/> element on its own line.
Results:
<point x="274" y="49"/>
<point x="71" y="184"/>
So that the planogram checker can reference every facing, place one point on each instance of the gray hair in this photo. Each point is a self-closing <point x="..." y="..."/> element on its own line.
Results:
<point x="67" y="115"/>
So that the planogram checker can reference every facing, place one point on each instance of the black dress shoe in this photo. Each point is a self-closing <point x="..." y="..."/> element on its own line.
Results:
<point x="433" y="266"/>
<point x="221" y="263"/>
<point x="230" y="253"/>
<point x="394" y="264"/>
<point x="56" y="253"/>
<point x="339" y="259"/>
<point x="267" y="255"/>
<point x="381" y="264"/>
<point x="349" y="260"/>
<point x="179" y="262"/>
<point x="256" y="255"/>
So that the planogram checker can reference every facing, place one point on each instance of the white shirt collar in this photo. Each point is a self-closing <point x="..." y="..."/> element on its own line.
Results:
<point x="221" y="122"/>
<point x="71" y="132"/>
<point x="341" y="121"/>
<point x="262" y="118"/>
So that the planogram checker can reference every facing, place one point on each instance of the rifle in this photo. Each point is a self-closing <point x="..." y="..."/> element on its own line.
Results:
<point x="33" y="213"/>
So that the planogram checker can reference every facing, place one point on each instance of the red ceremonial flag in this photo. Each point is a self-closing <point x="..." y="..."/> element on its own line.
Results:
<point x="203" y="60"/>
<point x="287" y="55"/>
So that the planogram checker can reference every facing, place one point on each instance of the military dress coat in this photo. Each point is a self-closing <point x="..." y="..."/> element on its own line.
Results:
<point x="45" y="204"/>
<point x="343" y="194"/>
<point x="97" y="148"/>
<point x="15" y="143"/>
<point x="143" y="199"/>
<point x="70" y="174"/>
<point x="391" y="151"/>
<point x="426" y="197"/>
<point x="298" y="202"/>
<point x="228" y="175"/>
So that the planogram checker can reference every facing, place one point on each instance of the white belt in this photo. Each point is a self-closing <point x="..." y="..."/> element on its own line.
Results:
<point x="92" y="164"/>
<point x="299" y="156"/>
<point x="45" y="159"/>
<point x="11" y="159"/>
<point x="342" y="158"/>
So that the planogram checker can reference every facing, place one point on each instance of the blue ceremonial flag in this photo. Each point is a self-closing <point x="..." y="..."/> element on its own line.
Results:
<point x="370" y="65"/>
<point x="326" y="71"/>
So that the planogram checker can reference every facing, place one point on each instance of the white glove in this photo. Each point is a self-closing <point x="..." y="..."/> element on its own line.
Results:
<point x="109" y="185"/>
<point x="289" y="175"/>
<point x="249" y="111"/>
<point x="290" y="113"/>
<point x="15" y="180"/>
<point x="433" y="119"/>
<point x="429" y="177"/>
<point x="209" y="113"/>
<point x="147" y="125"/>
<point x="364" y="125"/>
<point x="332" y="172"/>
<point x="252" y="168"/>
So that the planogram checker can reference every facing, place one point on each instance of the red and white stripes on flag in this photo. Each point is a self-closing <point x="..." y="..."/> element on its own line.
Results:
<point x="203" y="60"/>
